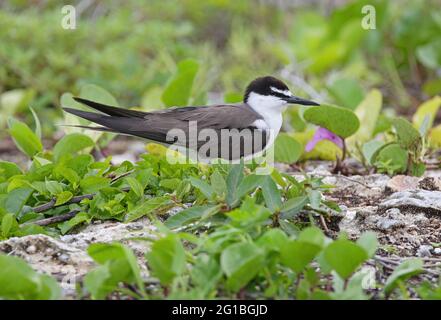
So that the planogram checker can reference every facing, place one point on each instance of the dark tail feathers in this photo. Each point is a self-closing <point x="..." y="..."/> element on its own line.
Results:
<point x="109" y="110"/>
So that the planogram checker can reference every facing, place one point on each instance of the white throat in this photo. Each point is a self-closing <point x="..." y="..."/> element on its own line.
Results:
<point x="270" y="108"/>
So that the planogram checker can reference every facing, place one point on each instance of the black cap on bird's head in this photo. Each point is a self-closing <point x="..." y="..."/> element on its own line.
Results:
<point x="270" y="86"/>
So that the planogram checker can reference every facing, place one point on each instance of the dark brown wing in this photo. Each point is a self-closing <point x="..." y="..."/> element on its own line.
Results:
<point x="156" y="125"/>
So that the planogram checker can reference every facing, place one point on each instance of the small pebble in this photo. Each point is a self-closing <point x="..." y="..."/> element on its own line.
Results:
<point x="386" y="223"/>
<point x="31" y="249"/>
<point x="64" y="258"/>
<point x="424" y="251"/>
<point x="437" y="251"/>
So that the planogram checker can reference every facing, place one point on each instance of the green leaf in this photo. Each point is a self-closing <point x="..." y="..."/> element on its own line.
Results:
<point x="249" y="213"/>
<point x="429" y="54"/>
<point x="170" y="184"/>
<point x="345" y="257"/>
<point x="271" y="194"/>
<point x="367" y="112"/>
<point x="368" y="241"/>
<point x="408" y="136"/>
<point x="395" y="157"/>
<point x="97" y="282"/>
<point x="178" y="90"/>
<point x="120" y="265"/>
<point x="54" y="187"/>
<point x="293" y="206"/>
<point x="12" y="101"/>
<point x="71" y="144"/>
<point x="370" y="148"/>
<point x="241" y="262"/>
<point x="97" y="94"/>
<point x="312" y="235"/>
<point x="135" y="186"/>
<point x="341" y="121"/>
<point x="347" y="92"/>
<point x="429" y="108"/>
<point x="78" y="219"/>
<point x="287" y="149"/>
<point x="16" y="199"/>
<point x="206" y="273"/>
<point x="218" y="183"/>
<point x="298" y="254"/>
<point x="25" y="139"/>
<point x="405" y="270"/>
<point x="234" y="178"/>
<point x="354" y="289"/>
<point x="273" y="239"/>
<point x="202" y="186"/>
<point x="94" y="184"/>
<point x="37" y="123"/>
<point x="315" y="198"/>
<point x="189" y="215"/>
<point x="19" y="281"/>
<point x="167" y="258"/>
<point x="63" y="197"/>
<point x="248" y="184"/>
<point x="6" y="224"/>
<point x="147" y="207"/>
<point x="8" y="169"/>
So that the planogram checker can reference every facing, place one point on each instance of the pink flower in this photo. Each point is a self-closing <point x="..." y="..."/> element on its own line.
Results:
<point x="323" y="134"/>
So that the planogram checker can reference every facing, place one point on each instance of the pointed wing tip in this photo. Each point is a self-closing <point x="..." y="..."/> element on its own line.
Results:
<point x="80" y="100"/>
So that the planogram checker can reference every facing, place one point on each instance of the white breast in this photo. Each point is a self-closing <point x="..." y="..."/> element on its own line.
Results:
<point x="270" y="108"/>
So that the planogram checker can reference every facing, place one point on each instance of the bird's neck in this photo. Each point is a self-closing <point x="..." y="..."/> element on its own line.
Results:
<point x="269" y="108"/>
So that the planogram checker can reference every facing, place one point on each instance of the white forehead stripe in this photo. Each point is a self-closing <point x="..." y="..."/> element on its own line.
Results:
<point x="285" y="92"/>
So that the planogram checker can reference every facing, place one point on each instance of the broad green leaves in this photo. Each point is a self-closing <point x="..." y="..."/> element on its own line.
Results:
<point x="427" y="110"/>
<point x="297" y="254"/>
<point x="234" y="178"/>
<point x="345" y="257"/>
<point x="167" y="258"/>
<point x="404" y="271"/>
<point x="190" y="215"/>
<point x="293" y="206"/>
<point x="63" y="197"/>
<point x="347" y="92"/>
<point x="411" y="140"/>
<point x="368" y="241"/>
<point x="341" y="121"/>
<point x="8" y="169"/>
<point x="391" y="159"/>
<point x="408" y="136"/>
<point x="117" y="264"/>
<point x="287" y="149"/>
<point x="16" y="199"/>
<point x="179" y="88"/>
<point x="71" y="144"/>
<point x="367" y="112"/>
<point x="19" y="281"/>
<point x="93" y="184"/>
<point x="147" y="207"/>
<point x="25" y="139"/>
<point x="241" y="262"/>
<point x="271" y="194"/>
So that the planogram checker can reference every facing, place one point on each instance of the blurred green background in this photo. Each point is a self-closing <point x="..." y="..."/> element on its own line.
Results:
<point x="132" y="49"/>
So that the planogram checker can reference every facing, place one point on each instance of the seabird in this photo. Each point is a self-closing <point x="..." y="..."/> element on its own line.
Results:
<point x="227" y="131"/>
